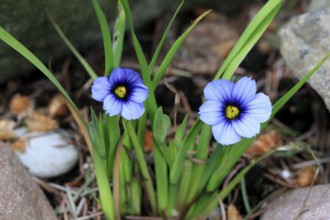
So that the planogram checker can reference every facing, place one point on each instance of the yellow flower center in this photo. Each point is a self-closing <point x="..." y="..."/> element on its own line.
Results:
<point x="231" y="112"/>
<point x="121" y="91"/>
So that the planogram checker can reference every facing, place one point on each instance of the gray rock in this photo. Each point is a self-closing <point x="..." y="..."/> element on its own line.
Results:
<point x="317" y="5"/>
<point x="20" y="196"/>
<point x="289" y="205"/>
<point x="27" y="21"/>
<point x="305" y="40"/>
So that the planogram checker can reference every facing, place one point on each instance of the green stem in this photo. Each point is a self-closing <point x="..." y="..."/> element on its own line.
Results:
<point x="143" y="166"/>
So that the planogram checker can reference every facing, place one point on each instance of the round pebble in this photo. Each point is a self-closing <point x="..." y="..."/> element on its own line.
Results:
<point x="49" y="154"/>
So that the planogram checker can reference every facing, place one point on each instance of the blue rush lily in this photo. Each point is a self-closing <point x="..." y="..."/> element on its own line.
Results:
<point x="234" y="110"/>
<point x="123" y="92"/>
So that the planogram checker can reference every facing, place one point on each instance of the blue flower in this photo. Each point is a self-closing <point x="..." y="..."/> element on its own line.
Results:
<point x="234" y="110"/>
<point x="123" y="92"/>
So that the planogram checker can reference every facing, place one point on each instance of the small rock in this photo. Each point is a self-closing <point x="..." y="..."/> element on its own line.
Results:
<point x="289" y="205"/>
<point x="305" y="40"/>
<point x="317" y="5"/>
<point x="48" y="154"/>
<point x="20" y="196"/>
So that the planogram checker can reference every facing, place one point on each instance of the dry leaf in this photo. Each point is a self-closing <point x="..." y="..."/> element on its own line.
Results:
<point x="39" y="122"/>
<point x="19" y="145"/>
<point x="306" y="175"/>
<point x="57" y="106"/>
<point x="21" y="105"/>
<point x="264" y="143"/>
<point x="6" y="130"/>
<point x="148" y="141"/>
<point x="233" y="213"/>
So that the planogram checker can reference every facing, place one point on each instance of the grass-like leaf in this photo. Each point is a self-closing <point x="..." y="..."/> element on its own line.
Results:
<point x="150" y="103"/>
<point x="80" y="58"/>
<point x="20" y="48"/>
<point x="161" y="125"/>
<point x="100" y="164"/>
<point x="106" y="36"/>
<point x="137" y="46"/>
<point x="198" y="169"/>
<point x="179" y="134"/>
<point x="161" y="170"/>
<point x="162" y="41"/>
<point x="143" y="166"/>
<point x="248" y="39"/>
<point x="118" y="35"/>
<point x="170" y="54"/>
<point x="284" y="99"/>
<point x="187" y="144"/>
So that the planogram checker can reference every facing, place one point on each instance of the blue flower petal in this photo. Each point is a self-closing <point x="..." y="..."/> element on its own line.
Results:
<point x="244" y="90"/>
<point x="101" y="88"/>
<point x="112" y="105"/>
<point x="132" y="110"/>
<point x="117" y="76"/>
<point x="211" y="112"/>
<point x="260" y="108"/>
<point x="132" y="76"/>
<point x="225" y="134"/>
<point x="253" y="109"/>
<point x="219" y="90"/>
<point x="246" y="127"/>
<point x="139" y="93"/>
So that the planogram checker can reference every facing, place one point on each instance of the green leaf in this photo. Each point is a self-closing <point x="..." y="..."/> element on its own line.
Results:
<point x="111" y="133"/>
<point x="284" y="99"/>
<point x="20" y="48"/>
<point x="187" y="144"/>
<point x="106" y="36"/>
<point x="249" y="37"/>
<point x="162" y="41"/>
<point x="227" y="160"/>
<point x="100" y="164"/>
<point x="225" y="191"/>
<point x="180" y="132"/>
<point x="143" y="166"/>
<point x="75" y="52"/>
<point x="150" y="103"/>
<point x="161" y="125"/>
<point x="198" y="169"/>
<point x="118" y="35"/>
<point x="184" y="185"/>
<point x="161" y="170"/>
<point x="138" y="49"/>
<point x="170" y="54"/>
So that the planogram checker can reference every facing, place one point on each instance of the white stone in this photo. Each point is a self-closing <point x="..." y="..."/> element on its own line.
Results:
<point x="47" y="154"/>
